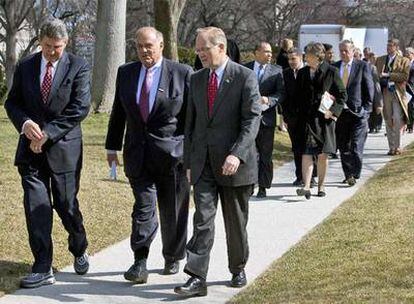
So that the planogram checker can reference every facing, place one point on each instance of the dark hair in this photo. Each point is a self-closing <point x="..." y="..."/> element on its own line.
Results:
<point x="327" y="46"/>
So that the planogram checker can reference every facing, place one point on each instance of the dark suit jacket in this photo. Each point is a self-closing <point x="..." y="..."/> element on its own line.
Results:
<point x="273" y="87"/>
<point x="282" y="59"/>
<point x="360" y="88"/>
<point x="309" y="95"/>
<point x="161" y="138"/>
<point x="410" y="83"/>
<point x="231" y="129"/>
<point x="290" y="105"/>
<point x="68" y="104"/>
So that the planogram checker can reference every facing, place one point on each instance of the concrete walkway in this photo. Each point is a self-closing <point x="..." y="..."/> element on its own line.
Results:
<point x="276" y="224"/>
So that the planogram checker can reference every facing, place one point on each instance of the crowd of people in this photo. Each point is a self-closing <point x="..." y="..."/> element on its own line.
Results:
<point x="213" y="129"/>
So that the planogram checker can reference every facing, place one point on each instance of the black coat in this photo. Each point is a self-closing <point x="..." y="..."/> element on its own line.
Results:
<point x="68" y="104"/>
<point x="162" y="136"/>
<point x="309" y="94"/>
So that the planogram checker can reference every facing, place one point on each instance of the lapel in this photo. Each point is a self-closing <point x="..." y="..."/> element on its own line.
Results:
<point x="353" y="72"/>
<point x="395" y="63"/>
<point x="36" y="78"/>
<point x="266" y="72"/>
<point x="61" y="71"/>
<point x="163" y="87"/>
<point x="131" y="86"/>
<point x="202" y="92"/>
<point x="224" y="87"/>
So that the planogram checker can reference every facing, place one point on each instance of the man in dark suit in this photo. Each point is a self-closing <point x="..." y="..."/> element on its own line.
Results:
<point x="272" y="90"/>
<point x="352" y="124"/>
<point x="49" y="98"/>
<point x="223" y="119"/>
<point x="150" y="101"/>
<point x="290" y="110"/>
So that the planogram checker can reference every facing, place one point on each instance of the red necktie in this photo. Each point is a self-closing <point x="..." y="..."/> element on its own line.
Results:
<point x="144" y="96"/>
<point x="47" y="82"/>
<point x="211" y="92"/>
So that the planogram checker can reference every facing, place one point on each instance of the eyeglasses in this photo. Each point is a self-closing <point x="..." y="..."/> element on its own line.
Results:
<point x="204" y="49"/>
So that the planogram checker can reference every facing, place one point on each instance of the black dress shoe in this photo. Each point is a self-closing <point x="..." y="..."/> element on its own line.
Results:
<point x="194" y="287"/>
<point x="171" y="268"/>
<point x="298" y="182"/>
<point x="261" y="193"/>
<point x="321" y="193"/>
<point x="138" y="272"/>
<point x="238" y="280"/>
<point x="81" y="264"/>
<point x="303" y="192"/>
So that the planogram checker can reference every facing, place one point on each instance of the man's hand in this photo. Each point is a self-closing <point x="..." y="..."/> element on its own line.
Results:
<point x="36" y="145"/>
<point x="328" y="114"/>
<point x="265" y="100"/>
<point x="32" y="130"/>
<point x="231" y="164"/>
<point x="188" y="172"/>
<point x="110" y="157"/>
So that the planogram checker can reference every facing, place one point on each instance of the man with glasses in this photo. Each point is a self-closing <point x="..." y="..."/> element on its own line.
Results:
<point x="220" y="156"/>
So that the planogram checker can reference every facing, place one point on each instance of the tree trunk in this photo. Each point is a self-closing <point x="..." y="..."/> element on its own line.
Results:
<point x="167" y="15"/>
<point x="109" y="52"/>
<point x="11" y="56"/>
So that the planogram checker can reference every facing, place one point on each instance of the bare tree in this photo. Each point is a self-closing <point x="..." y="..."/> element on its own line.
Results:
<point x="12" y="17"/>
<point x="167" y="14"/>
<point x="109" y="52"/>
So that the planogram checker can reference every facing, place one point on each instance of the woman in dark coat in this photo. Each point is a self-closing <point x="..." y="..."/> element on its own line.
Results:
<point x="313" y="81"/>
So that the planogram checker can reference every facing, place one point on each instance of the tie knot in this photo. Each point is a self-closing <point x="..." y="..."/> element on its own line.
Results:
<point x="49" y="64"/>
<point x="213" y="75"/>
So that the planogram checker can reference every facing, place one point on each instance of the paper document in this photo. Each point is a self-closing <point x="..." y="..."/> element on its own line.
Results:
<point x="112" y="171"/>
<point x="326" y="104"/>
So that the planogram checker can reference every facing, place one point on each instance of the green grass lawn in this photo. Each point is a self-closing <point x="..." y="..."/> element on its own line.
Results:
<point x="106" y="205"/>
<point x="362" y="253"/>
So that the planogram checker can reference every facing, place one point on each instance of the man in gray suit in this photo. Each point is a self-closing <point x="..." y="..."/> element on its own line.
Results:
<point x="272" y="89"/>
<point x="222" y="122"/>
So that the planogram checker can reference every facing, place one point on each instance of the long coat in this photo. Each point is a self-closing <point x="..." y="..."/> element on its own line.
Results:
<point x="309" y="95"/>
<point x="399" y="74"/>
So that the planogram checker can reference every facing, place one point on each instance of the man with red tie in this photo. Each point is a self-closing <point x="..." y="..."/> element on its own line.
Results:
<point x="49" y="98"/>
<point x="220" y="156"/>
<point x="150" y="102"/>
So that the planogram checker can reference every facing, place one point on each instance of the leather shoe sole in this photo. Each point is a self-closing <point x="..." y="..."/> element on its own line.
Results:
<point x="191" y="293"/>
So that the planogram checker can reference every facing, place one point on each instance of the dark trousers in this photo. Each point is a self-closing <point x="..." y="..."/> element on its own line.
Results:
<point x="235" y="207"/>
<point x="264" y="143"/>
<point x="410" y="115"/>
<point x="39" y="185"/>
<point x="351" y="133"/>
<point x="375" y="121"/>
<point x="295" y="138"/>
<point x="170" y="188"/>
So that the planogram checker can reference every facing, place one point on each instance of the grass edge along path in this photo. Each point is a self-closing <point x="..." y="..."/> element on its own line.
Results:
<point x="362" y="253"/>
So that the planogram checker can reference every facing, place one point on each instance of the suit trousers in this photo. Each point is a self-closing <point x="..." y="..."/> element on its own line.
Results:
<point x="295" y="138"/>
<point x="351" y="133"/>
<point x="394" y="119"/>
<point x="235" y="208"/>
<point x="264" y="144"/>
<point x="171" y="190"/>
<point x="39" y="185"/>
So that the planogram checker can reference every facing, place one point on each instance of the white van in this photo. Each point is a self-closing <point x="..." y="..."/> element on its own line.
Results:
<point x="375" y="38"/>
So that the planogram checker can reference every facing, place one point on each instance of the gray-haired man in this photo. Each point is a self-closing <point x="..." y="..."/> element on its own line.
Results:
<point x="49" y="98"/>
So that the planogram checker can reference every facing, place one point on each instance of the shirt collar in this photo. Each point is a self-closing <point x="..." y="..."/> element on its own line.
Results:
<point x="155" y="66"/>
<point x="257" y="65"/>
<point x="349" y="64"/>
<point x="220" y="70"/>
<point x="45" y="61"/>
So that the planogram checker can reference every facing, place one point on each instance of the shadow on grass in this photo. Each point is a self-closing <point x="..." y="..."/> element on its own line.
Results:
<point x="10" y="274"/>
